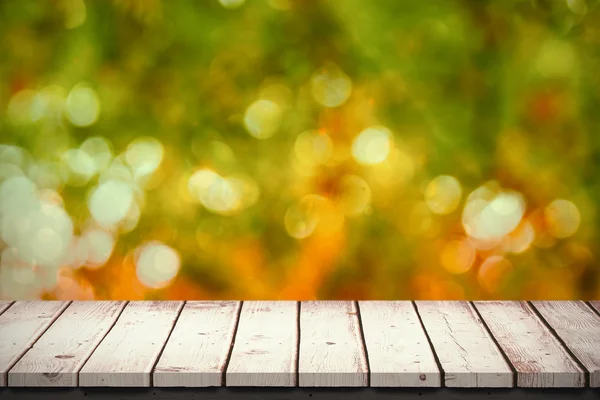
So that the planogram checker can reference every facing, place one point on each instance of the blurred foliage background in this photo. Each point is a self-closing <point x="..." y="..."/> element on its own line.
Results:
<point x="299" y="149"/>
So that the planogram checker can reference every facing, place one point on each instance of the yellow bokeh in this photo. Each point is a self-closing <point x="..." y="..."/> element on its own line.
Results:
<point x="457" y="256"/>
<point x="443" y="194"/>
<point x="562" y="217"/>
<point x="284" y="149"/>
<point x="330" y="86"/>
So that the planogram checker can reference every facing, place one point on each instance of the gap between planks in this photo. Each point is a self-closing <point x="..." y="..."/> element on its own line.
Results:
<point x="538" y="357"/>
<point x="211" y="326"/>
<point x="465" y="349"/>
<point x="397" y="349"/>
<point x="4" y="305"/>
<point x="331" y="351"/>
<point x="265" y="352"/>
<point x="127" y="355"/>
<point x="21" y="325"/>
<point x="577" y="328"/>
<point x="59" y="354"/>
<point x="358" y="320"/>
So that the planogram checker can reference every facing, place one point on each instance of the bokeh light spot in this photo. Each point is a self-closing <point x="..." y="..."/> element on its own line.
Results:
<point x="48" y="244"/>
<point x="277" y="92"/>
<point x="18" y="280"/>
<point x="372" y="146"/>
<point x="330" y="86"/>
<point x="50" y="103"/>
<point x="76" y="254"/>
<point x="23" y="107"/>
<point x="247" y="190"/>
<point x="491" y="213"/>
<point x="38" y="230"/>
<point x="313" y="148"/>
<point x="100" y="150"/>
<point x="78" y="167"/>
<point x="492" y="273"/>
<point x="301" y="219"/>
<point x="457" y="256"/>
<point x="521" y="238"/>
<point x="200" y="182"/>
<point x="117" y="170"/>
<point x="110" y="202"/>
<point x="443" y="194"/>
<point x="14" y="155"/>
<point x="45" y="175"/>
<point x="222" y="195"/>
<point x="157" y="264"/>
<point x="132" y="218"/>
<point x="562" y="218"/>
<point x="100" y="245"/>
<point x="262" y="118"/>
<point x="144" y="156"/>
<point x="83" y="106"/>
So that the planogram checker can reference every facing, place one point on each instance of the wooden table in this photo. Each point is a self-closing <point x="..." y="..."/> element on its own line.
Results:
<point x="289" y="350"/>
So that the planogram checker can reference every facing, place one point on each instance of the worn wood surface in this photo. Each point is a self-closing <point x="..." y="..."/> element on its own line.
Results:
<point x="398" y="351"/>
<point x="4" y="304"/>
<point x="128" y="353"/>
<point x="338" y="344"/>
<point x="58" y="355"/>
<point x="466" y="351"/>
<point x="197" y="351"/>
<point x="20" y="326"/>
<point x="266" y="345"/>
<point x="540" y="360"/>
<point x="331" y="348"/>
<point x="579" y="328"/>
<point x="595" y="305"/>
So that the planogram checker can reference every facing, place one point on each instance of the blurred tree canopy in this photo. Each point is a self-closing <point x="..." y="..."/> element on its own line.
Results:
<point x="299" y="149"/>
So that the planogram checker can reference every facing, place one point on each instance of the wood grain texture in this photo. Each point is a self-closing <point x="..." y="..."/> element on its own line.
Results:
<point x="579" y="328"/>
<point x="466" y="352"/>
<point x="595" y="305"/>
<point x="20" y="326"/>
<point x="331" y="348"/>
<point x="58" y="355"/>
<point x="197" y="351"/>
<point x="4" y="304"/>
<point x="128" y="353"/>
<point x="538" y="357"/>
<point x="397" y="348"/>
<point x="265" y="352"/>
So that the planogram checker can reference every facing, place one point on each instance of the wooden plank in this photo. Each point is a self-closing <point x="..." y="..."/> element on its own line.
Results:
<point x="265" y="352"/>
<point x="58" y="355"/>
<point x="4" y="304"/>
<point x="197" y="351"/>
<point x="128" y="353"/>
<point x="466" y="351"/>
<point x="331" y="349"/>
<point x="20" y="326"/>
<point x="538" y="357"/>
<point x="397" y="348"/>
<point x="579" y="328"/>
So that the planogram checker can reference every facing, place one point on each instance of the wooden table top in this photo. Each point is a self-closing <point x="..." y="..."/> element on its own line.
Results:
<point x="456" y="344"/>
